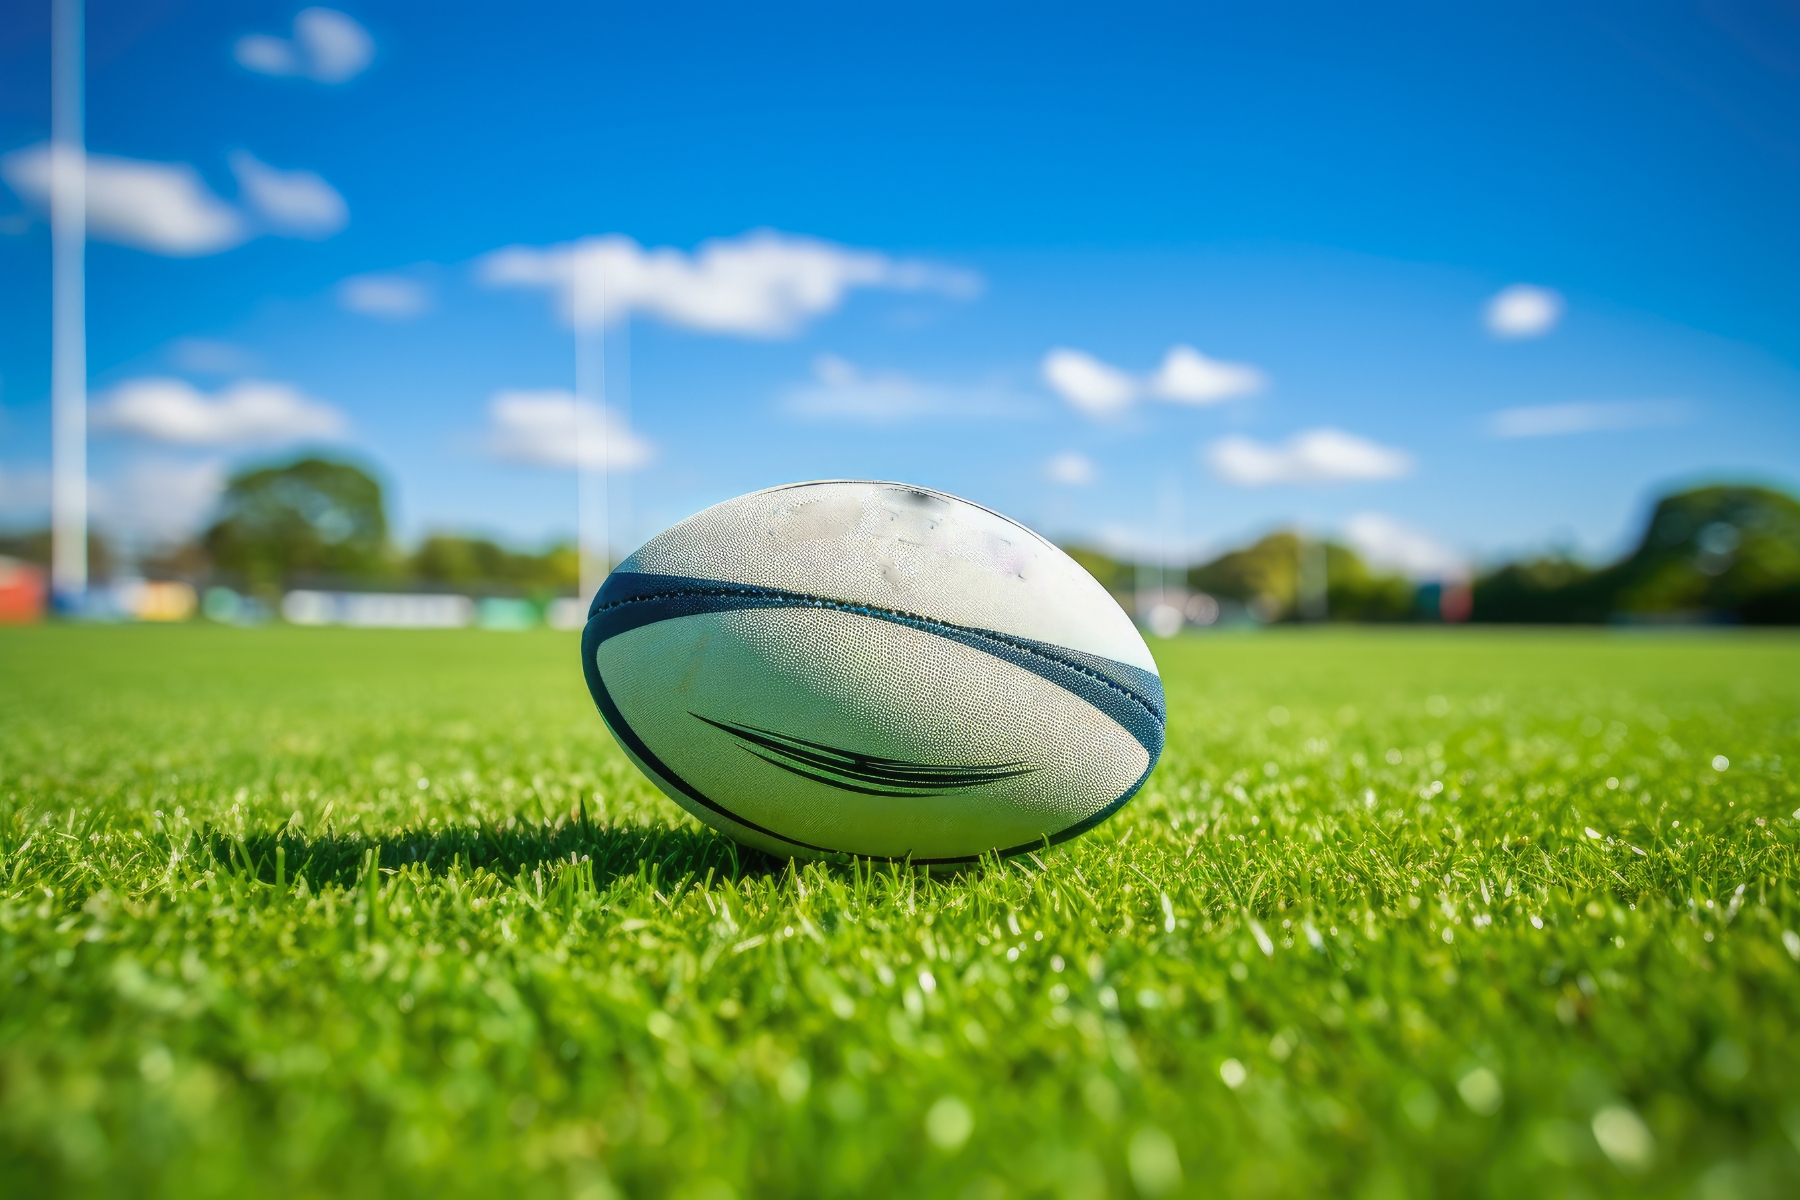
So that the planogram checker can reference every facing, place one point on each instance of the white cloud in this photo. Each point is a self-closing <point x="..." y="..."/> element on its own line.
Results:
<point x="1523" y="311"/>
<point x="1186" y="376"/>
<point x="841" y="391"/>
<point x="1189" y="377"/>
<point x="1385" y="543"/>
<point x="294" y="203"/>
<point x="165" y="208"/>
<point x="763" y="284"/>
<point x="1312" y="456"/>
<point x="156" y="500"/>
<point x="1071" y="468"/>
<point x="551" y="428"/>
<point x="1094" y="387"/>
<point x="250" y="411"/>
<point x="327" y="46"/>
<point x="1557" y="420"/>
<point x="394" y="297"/>
<point x="208" y="356"/>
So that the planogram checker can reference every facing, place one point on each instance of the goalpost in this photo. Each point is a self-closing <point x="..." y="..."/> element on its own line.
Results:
<point x="68" y="310"/>
<point x="593" y="510"/>
<point x="602" y="410"/>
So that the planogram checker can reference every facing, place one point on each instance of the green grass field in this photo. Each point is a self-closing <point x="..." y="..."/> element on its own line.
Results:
<point x="328" y="913"/>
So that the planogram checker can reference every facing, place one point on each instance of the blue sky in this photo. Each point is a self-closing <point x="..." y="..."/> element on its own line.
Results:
<point x="951" y="245"/>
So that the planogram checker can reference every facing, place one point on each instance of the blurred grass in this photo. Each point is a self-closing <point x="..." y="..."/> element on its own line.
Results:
<point x="336" y="913"/>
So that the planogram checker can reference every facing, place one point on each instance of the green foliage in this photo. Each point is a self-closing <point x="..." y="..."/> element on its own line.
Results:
<point x="447" y="558"/>
<point x="1267" y="572"/>
<point x="1551" y="589"/>
<point x="337" y="913"/>
<point x="311" y="517"/>
<point x="1354" y="592"/>
<point x="1730" y="552"/>
<point x="1712" y="550"/>
<point x="1119" y="578"/>
<point x="34" y="547"/>
<point x="1267" y="575"/>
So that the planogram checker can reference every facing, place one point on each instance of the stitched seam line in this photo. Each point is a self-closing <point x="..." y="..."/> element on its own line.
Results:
<point x="904" y="618"/>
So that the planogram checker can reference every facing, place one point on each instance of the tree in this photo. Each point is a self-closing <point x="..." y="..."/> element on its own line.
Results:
<point x="1267" y="575"/>
<point x="1117" y="577"/>
<point x="1712" y="550"/>
<point x="311" y="517"/>
<point x="1540" y="590"/>
<point x="447" y="558"/>
<point x="1355" y="592"/>
<point x="1724" y="552"/>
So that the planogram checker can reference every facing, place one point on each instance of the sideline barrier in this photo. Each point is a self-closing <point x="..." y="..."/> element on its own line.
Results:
<point x="23" y="592"/>
<point x="566" y="613"/>
<point x="378" y="610"/>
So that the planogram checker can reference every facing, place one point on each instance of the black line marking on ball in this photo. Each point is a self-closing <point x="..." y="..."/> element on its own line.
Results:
<point x="872" y="774"/>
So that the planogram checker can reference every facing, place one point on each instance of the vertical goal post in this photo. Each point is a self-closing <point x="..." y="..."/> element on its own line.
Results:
<point x="68" y="309"/>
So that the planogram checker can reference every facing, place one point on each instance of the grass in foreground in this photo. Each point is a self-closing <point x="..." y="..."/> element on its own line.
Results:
<point x="319" y="913"/>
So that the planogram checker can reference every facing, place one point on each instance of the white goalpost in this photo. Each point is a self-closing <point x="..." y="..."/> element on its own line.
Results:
<point x="602" y="409"/>
<point x="68" y="309"/>
<point x="592" y="511"/>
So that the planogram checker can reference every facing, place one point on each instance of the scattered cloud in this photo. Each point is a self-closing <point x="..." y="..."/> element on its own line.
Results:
<point x="764" y="284"/>
<point x="166" y="208"/>
<point x="244" y="413"/>
<point x="551" y="428"/>
<point x="292" y="203"/>
<point x="327" y="47"/>
<point x="394" y="297"/>
<point x="1071" y="468"/>
<point x="1523" y="311"/>
<point x="157" y="500"/>
<point x="1312" y="456"/>
<point x="1189" y="377"/>
<point x="1386" y="543"/>
<point x="1186" y="376"/>
<point x="1558" y="420"/>
<point x="842" y="391"/>
<point x="1092" y="386"/>
<point x="208" y="356"/>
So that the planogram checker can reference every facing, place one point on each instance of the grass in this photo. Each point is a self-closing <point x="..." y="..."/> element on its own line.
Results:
<point x="331" y="913"/>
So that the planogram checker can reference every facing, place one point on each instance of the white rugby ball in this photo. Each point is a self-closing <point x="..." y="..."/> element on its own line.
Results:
<point x="873" y="669"/>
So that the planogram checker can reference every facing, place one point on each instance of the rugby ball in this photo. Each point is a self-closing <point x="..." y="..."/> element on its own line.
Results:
<point x="873" y="669"/>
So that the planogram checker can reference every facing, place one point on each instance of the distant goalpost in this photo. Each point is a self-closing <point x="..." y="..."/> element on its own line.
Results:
<point x="68" y="309"/>
<point x="593" y="507"/>
<point x="594" y="481"/>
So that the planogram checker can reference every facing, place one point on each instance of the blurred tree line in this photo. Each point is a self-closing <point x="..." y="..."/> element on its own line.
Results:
<point x="1714" y="553"/>
<point x="1723" y="553"/>
<point x="1269" y="572"/>
<point x="325" y="523"/>
<point x="1720" y="553"/>
<point x="1265" y="578"/>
